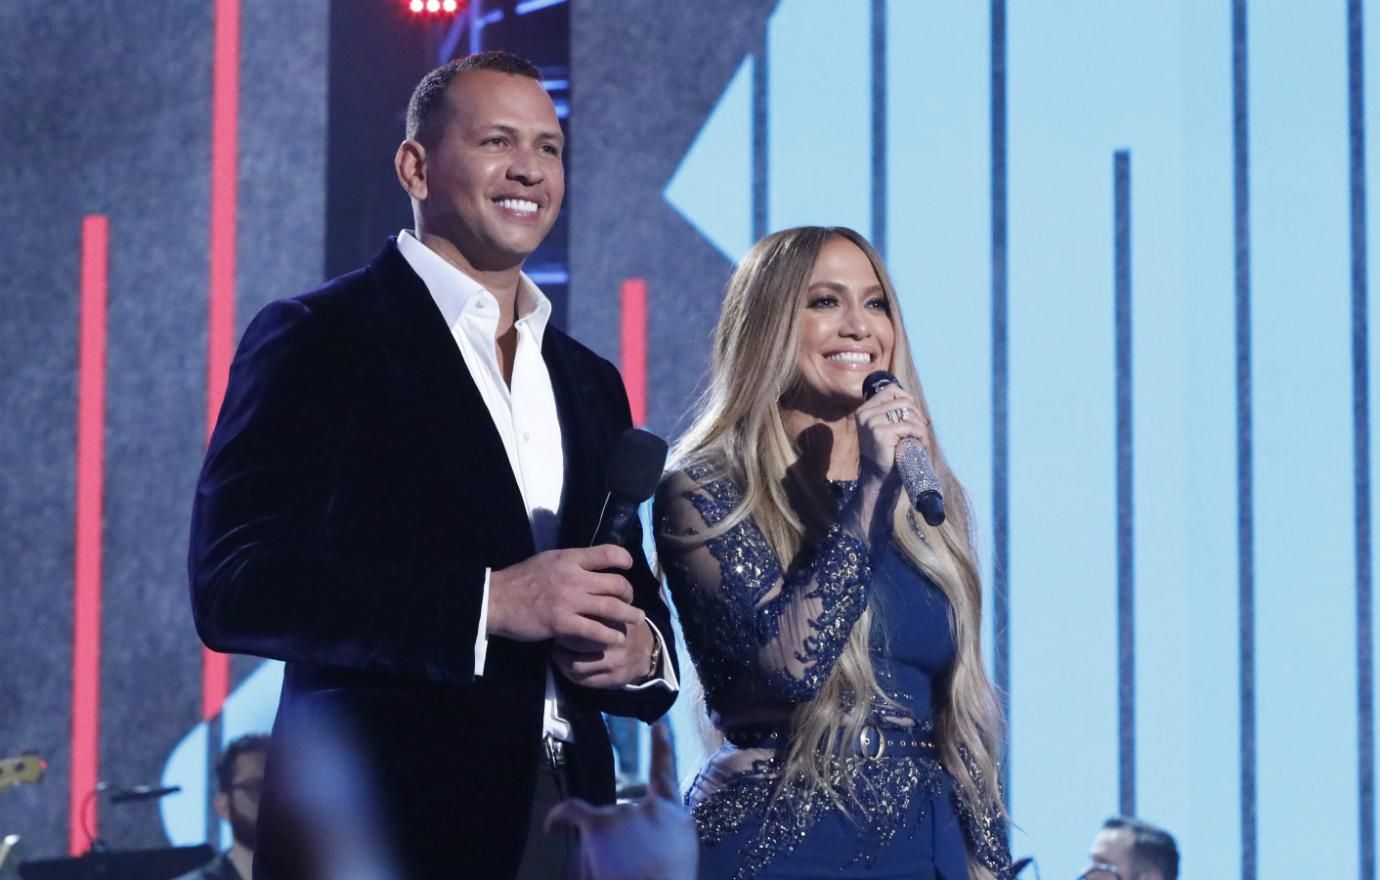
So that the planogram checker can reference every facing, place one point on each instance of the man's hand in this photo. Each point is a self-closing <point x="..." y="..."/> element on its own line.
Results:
<point x="652" y="837"/>
<point x="599" y="666"/>
<point x="566" y="595"/>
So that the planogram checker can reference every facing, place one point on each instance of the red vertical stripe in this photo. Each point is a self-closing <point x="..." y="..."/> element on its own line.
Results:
<point x="220" y="343"/>
<point x="634" y="346"/>
<point x="86" y="599"/>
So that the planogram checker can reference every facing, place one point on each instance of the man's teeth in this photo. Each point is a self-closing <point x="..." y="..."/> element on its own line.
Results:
<point x="852" y="357"/>
<point x="522" y="205"/>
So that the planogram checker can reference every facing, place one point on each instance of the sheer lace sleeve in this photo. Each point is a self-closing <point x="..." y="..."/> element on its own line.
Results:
<point x="743" y="615"/>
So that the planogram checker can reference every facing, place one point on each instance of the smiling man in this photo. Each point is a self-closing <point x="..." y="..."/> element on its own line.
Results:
<point x="397" y="501"/>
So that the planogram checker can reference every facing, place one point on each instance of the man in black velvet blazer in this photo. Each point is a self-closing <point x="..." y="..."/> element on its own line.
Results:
<point x="358" y="516"/>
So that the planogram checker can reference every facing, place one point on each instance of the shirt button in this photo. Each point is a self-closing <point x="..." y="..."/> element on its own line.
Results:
<point x="526" y="436"/>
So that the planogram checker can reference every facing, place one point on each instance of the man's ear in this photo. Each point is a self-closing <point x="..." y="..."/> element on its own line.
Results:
<point x="221" y="802"/>
<point x="410" y="164"/>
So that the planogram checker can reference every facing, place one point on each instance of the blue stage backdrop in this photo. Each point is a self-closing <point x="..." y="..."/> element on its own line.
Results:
<point x="1131" y="242"/>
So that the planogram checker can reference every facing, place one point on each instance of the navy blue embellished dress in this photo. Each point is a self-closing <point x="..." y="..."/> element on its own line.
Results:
<point x="765" y="640"/>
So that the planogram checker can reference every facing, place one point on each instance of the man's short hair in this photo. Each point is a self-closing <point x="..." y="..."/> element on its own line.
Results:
<point x="225" y="767"/>
<point x="1151" y="846"/>
<point x="426" y="111"/>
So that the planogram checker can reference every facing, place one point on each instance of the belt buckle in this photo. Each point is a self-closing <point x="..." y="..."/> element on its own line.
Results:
<point x="555" y="751"/>
<point x="865" y="740"/>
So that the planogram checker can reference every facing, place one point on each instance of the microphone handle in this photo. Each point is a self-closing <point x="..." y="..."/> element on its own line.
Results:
<point x="615" y="522"/>
<point x="917" y="475"/>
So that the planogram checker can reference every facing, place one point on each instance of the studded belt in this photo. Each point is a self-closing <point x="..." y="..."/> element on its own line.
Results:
<point x="873" y="741"/>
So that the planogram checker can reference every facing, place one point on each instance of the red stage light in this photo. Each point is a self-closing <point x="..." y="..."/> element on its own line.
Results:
<point x="438" y="9"/>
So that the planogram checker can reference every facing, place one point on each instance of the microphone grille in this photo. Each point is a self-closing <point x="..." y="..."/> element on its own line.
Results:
<point x="876" y="382"/>
<point x="635" y="465"/>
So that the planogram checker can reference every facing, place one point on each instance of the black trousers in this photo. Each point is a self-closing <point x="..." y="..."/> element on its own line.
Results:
<point x="548" y="856"/>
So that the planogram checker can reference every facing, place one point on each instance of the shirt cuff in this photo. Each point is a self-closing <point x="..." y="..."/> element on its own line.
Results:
<point x="481" y="641"/>
<point x="667" y="679"/>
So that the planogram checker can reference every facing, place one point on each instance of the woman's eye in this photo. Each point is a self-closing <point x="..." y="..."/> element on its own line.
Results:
<point x="823" y="302"/>
<point x="879" y="304"/>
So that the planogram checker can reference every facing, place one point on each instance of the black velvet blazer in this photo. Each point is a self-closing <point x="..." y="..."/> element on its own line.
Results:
<point x="354" y="491"/>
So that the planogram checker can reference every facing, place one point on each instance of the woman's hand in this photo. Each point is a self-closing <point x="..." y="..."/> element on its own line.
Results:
<point x="882" y="423"/>
<point x="878" y="436"/>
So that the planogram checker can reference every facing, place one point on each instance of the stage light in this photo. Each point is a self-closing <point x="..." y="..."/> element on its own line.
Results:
<point x="433" y="10"/>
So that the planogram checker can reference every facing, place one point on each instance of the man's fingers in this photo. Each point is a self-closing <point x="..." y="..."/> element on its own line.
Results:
<point x="575" y="646"/>
<point x="663" y="774"/>
<point x="581" y="627"/>
<point x="604" y="556"/>
<point x="607" y="584"/>
<point x="589" y="665"/>
<point x="581" y="663"/>
<point x="613" y="610"/>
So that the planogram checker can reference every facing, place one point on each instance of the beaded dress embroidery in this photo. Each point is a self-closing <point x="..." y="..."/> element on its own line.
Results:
<point x="764" y="640"/>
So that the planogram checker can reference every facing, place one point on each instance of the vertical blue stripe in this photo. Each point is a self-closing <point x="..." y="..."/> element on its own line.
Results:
<point x="819" y="117"/>
<point x="1301" y="435"/>
<point x="1001" y="555"/>
<point x="1370" y="110"/>
<point x="1125" y="487"/>
<point x="1244" y="453"/>
<point x="1360" y="361"/>
<point x="938" y="225"/>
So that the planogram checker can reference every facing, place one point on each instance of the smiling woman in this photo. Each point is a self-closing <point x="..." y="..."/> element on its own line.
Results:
<point x="845" y="328"/>
<point x="837" y="637"/>
<point x="483" y="165"/>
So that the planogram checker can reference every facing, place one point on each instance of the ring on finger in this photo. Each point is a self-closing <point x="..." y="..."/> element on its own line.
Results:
<point x="899" y="414"/>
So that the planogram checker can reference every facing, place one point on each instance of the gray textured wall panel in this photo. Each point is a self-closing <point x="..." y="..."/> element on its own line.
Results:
<point x="282" y="216"/>
<point x="157" y="190"/>
<point x="283" y="87"/>
<point x="106" y="109"/>
<point x="646" y="74"/>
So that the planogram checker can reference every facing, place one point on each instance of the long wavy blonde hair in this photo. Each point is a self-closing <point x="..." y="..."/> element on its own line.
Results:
<point x="740" y="433"/>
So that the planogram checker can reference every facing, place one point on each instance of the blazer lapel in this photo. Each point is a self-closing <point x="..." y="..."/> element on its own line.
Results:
<point x="465" y="442"/>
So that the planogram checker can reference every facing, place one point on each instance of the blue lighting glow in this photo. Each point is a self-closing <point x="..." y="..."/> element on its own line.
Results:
<point x="534" y="5"/>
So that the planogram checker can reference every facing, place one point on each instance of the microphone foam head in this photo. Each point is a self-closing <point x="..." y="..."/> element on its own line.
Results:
<point x="876" y="382"/>
<point x="635" y="465"/>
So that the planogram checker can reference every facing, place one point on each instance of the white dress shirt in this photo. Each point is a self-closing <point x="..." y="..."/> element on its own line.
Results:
<point x="525" y="416"/>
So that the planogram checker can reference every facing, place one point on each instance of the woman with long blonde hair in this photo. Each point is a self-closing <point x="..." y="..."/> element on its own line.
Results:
<point x="837" y="636"/>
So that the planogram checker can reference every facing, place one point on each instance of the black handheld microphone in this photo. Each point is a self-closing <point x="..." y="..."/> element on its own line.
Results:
<point x="635" y="468"/>
<point x="912" y="461"/>
<point x="141" y="793"/>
